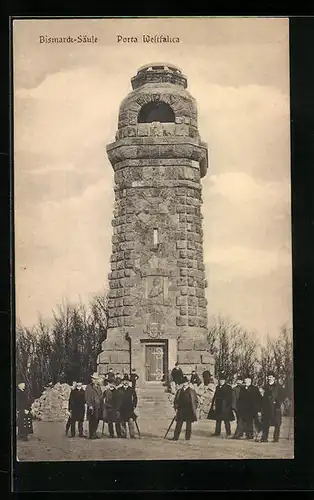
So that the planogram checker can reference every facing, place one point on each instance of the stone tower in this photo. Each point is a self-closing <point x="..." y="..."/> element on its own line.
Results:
<point x="157" y="304"/>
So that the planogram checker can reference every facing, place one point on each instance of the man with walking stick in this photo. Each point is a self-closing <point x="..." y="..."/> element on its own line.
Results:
<point x="185" y="404"/>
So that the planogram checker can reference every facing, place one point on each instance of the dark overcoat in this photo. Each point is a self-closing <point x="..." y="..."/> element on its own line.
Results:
<point x="221" y="407"/>
<point x="185" y="403"/>
<point x="126" y="402"/>
<point x="249" y="402"/>
<point x="24" y="422"/>
<point x="93" y="398"/>
<point x="77" y="404"/>
<point x="110" y="405"/>
<point x="177" y="375"/>
<point x="206" y="377"/>
<point x="271" y="405"/>
<point x="235" y="396"/>
<point x="134" y="377"/>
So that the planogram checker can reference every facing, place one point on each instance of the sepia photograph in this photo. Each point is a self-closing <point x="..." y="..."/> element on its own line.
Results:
<point x="152" y="222"/>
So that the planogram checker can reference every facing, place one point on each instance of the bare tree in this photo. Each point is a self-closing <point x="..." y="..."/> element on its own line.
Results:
<point x="64" y="349"/>
<point x="234" y="349"/>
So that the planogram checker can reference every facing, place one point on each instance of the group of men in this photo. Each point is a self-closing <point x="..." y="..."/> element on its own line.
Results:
<point x="254" y="409"/>
<point x="113" y="401"/>
<point x="257" y="409"/>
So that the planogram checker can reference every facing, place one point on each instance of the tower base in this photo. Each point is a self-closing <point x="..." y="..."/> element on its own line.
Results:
<point x="153" y="358"/>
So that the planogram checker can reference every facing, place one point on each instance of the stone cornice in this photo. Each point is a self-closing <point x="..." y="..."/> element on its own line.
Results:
<point x="150" y="148"/>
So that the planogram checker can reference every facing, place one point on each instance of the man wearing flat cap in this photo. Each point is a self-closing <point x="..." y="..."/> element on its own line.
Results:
<point x="94" y="403"/>
<point x="271" y="408"/>
<point x="185" y="403"/>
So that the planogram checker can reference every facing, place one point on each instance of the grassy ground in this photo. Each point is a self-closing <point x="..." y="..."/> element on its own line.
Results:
<point x="49" y="443"/>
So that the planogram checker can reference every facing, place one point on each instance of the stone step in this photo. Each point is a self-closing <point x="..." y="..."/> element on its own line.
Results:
<point x="153" y="400"/>
<point x="154" y="403"/>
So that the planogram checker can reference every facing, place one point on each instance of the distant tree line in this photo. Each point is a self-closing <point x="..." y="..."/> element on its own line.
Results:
<point x="67" y="347"/>
<point x="238" y="352"/>
<point x="64" y="349"/>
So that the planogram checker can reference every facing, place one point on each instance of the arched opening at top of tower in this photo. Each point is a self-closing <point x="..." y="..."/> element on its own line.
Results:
<point x="156" y="112"/>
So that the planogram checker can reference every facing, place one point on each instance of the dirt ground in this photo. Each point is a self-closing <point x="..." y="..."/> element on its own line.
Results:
<point x="49" y="443"/>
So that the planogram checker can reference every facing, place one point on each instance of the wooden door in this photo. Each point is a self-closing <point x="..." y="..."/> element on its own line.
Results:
<point x="154" y="362"/>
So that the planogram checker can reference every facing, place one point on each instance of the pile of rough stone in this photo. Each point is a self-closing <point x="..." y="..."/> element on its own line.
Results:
<point x="52" y="406"/>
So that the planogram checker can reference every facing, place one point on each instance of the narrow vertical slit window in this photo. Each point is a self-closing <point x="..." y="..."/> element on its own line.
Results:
<point x="156" y="238"/>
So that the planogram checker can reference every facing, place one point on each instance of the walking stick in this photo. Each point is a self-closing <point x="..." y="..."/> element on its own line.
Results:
<point x="103" y="426"/>
<point x="137" y="427"/>
<point x="170" y="426"/>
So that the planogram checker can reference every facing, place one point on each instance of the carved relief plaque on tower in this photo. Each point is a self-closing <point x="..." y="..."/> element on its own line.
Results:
<point x="156" y="289"/>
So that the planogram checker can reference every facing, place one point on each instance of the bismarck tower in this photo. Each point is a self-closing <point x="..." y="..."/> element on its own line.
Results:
<point x="157" y="304"/>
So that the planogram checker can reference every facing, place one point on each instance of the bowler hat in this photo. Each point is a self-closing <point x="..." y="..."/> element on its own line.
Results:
<point x="185" y="379"/>
<point x="95" y="375"/>
<point x="270" y="374"/>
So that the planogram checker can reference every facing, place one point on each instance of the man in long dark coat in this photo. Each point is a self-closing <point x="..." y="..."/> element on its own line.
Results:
<point x="93" y="398"/>
<point x="185" y="403"/>
<point x="206" y="377"/>
<point x="77" y="409"/>
<point x="235" y="397"/>
<point x="221" y="408"/>
<point x="134" y="377"/>
<point x="126" y="403"/>
<point x="68" y="424"/>
<point x="110" y="409"/>
<point x="248" y="406"/>
<point x="177" y="374"/>
<point x="271" y="408"/>
<point x="24" y="416"/>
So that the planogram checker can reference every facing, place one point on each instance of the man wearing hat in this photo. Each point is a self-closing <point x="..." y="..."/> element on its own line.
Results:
<point x="271" y="408"/>
<point x="248" y="406"/>
<point x="235" y="396"/>
<point x="118" y="379"/>
<point x="185" y="403"/>
<point x="77" y="408"/>
<point x="110" y="409"/>
<point x="126" y="402"/>
<point x="221" y="407"/>
<point x="94" y="401"/>
<point x="24" y="416"/>
<point x="68" y="424"/>
<point x="177" y="374"/>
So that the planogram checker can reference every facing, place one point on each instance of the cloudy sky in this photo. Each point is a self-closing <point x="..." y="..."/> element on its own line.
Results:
<point x="66" y="99"/>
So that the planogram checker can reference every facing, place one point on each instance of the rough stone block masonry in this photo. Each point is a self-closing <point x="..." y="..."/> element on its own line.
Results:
<point x="157" y="306"/>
